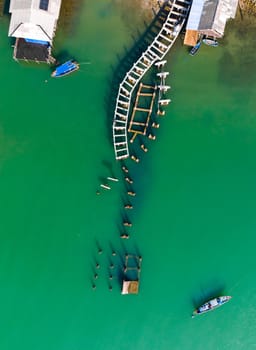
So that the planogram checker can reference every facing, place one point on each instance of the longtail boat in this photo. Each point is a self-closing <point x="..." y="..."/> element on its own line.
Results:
<point x="210" y="42"/>
<point x="211" y="305"/>
<point x="65" y="69"/>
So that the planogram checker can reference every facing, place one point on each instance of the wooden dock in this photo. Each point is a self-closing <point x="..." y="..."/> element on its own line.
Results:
<point x="140" y="125"/>
<point x="132" y="270"/>
<point x="163" y="41"/>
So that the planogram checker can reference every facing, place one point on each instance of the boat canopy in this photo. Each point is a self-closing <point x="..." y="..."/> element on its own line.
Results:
<point x="39" y="42"/>
<point x="214" y="302"/>
<point x="204" y="307"/>
<point x="65" y="67"/>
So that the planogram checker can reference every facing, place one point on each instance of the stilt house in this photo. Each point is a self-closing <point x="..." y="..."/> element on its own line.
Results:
<point x="33" y="24"/>
<point x="208" y="18"/>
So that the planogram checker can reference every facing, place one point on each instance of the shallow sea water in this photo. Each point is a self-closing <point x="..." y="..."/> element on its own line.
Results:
<point x="193" y="218"/>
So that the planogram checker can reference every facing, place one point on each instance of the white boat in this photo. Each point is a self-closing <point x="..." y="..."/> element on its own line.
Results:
<point x="210" y="42"/>
<point x="211" y="305"/>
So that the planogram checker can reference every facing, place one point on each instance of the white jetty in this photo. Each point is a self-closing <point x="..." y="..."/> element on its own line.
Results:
<point x="162" y="89"/>
<point x="177" y="14"/>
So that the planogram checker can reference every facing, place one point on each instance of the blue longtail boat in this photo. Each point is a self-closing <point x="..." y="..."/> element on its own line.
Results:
<point x="65" y="69"/>
<point x="195" y="48"/>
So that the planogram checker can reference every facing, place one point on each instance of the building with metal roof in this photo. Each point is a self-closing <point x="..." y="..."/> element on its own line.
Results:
<point x="33" y="23"/>
<point x="208" y="17"/>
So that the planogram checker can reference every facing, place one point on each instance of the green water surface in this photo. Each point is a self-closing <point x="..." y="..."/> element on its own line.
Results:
<point x="194" y="214"/>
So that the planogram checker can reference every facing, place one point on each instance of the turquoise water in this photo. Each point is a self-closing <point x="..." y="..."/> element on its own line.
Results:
<point x="193" y="218"/>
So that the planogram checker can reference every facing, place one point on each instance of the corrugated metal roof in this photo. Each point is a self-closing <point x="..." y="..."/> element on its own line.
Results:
<point x="208" y="14"/>
<point x="29" y="21"/>
<point x="211" y="14"/>
<point x="195" y="14"/>
<point x="226" y="9"/>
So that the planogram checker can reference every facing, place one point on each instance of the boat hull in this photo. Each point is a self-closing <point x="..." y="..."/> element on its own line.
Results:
<point x="65" y="69"/>
<point x="211" y="42"/>
<point x="195" y="48"/>
<point x="211" y="305"/>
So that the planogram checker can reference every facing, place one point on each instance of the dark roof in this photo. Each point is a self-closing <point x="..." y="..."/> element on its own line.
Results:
<point x="31" y="51"/>
<point x="208" y="15"/>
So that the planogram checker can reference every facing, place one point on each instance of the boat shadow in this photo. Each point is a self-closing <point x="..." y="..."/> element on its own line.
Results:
<point x="63" y="56"/>
<point x="207" y="293"/>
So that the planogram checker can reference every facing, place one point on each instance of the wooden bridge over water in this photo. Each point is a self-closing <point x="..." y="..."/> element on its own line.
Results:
<point x="163" y="41"/>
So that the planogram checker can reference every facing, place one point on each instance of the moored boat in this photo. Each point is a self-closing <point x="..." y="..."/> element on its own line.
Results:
<point x="210" y="42"/>
<point x="195" y="48"/>
<point x="211" y="305"/>
<point x="65" y="69"/>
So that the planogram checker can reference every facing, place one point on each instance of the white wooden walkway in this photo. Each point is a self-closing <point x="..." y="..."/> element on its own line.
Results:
<point x="177" y="13"/>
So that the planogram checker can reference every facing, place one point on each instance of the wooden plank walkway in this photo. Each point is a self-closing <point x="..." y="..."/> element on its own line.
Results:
<point x="140" y="127"/>
<point x="177" y="14"/>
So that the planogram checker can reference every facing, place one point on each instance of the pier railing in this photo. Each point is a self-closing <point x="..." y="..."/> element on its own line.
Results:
<point x="163" y="41"/>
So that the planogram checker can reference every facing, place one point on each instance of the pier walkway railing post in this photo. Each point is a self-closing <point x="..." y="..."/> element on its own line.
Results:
<point x="177" y="13"/>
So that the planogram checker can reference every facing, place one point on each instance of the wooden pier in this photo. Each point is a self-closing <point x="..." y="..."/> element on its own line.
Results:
<point x="177" y="14"/>
<point x="132" y="270"/>
<point x="140" y="125"/>
<point x="162" y="88"/>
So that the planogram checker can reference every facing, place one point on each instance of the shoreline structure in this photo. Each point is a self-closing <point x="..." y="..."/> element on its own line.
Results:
<point x="246" y="6"/>
<point x="176" y="13"/>
<point x="169" y="28"/>
<point x="202" y="21"/>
